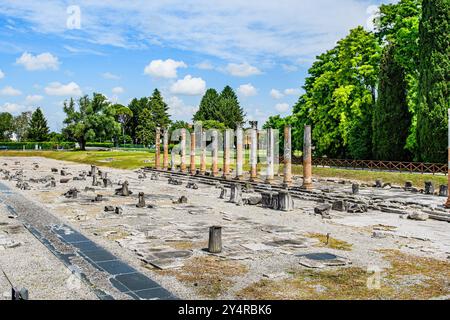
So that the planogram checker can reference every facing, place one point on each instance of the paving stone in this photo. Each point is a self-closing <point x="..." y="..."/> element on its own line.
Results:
<point x="136" y="281"/>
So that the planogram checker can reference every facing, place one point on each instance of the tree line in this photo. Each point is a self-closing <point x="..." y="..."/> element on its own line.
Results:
<point x="27" y="126"/>
<point x="383" y="94"/>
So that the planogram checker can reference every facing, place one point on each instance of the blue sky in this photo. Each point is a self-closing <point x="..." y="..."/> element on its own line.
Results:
<point x="125" y="49"/>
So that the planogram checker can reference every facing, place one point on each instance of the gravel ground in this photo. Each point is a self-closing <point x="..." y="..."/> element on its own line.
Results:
<point x="140" y="232"/>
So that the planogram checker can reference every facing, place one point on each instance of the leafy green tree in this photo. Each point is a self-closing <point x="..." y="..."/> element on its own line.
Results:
<point x="92" y="119"/>
<point x="213" y="124"/>
<point x="21" y="124"/>
<point x="434" y="66"/>
<point x="123" y="115"/>
<point x="38" y="128"/>
<point x="6" y="126"/>
<point x="136" y="106"/>
<point x="391" y="118"/>
<point x="208" y="106"/>
<point x="55" y="137"/>
<point x="340" y="97"/>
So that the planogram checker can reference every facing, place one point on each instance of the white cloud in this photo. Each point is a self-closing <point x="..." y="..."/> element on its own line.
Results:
<point x="189" y="86"/>
<point x="242" y="70"/>
<point x="110" y="76"/>
<point x="42" y="61"/>
<point x="205" y="65"/>
<point x="117" y="90"/>
<point x="59" y="89"/>
<point x="12" y="108"/>
<point x="10" y="91"/>
<point x="292" y="91"/>
<point x="164" y="69"/>
<point x="247" y="90"/>
<point x="31" y="99"/>
<point x="178" y="108"/>
<point x="2" y="75"/>
<point x="276" y="94"/>
<point x="282" y="107"/>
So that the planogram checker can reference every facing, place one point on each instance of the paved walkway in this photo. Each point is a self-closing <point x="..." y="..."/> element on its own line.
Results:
<point x="80" y="254"/>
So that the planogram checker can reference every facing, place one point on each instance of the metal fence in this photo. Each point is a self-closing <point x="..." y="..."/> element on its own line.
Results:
<point x="400" y="166"/>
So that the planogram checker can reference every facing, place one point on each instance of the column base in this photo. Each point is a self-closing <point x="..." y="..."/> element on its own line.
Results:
<point x="447" y="204"/>
<point x="307" y="186"/>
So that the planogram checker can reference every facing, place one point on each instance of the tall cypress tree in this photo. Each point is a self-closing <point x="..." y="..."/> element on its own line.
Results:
<point x="159" y="109"/>
<point x="391" y="117"/>
<point x="208" y="106"/>
<point x="434" y="66"/>
<point x="38" y="129"/>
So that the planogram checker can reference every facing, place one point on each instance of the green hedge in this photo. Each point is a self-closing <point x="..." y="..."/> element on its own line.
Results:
<point x="100" y="144"/>
<point x="31" y="145"/>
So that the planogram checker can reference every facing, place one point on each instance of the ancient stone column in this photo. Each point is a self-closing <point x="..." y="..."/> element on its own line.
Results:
<point x="157" y="148"/>
<point x="166" y="149"/>
<point x="203" y="154"/>
<point x="215" y="239"/>
<point x="447" y="204"/>
<point x="269" y="155"/>
<point x="183" y="150"/>
<point x="226" y="153"/>
<point x="307" y="159"/>
<point x="192" y="153"/>
<point x="215" y="153"/>
<point x="239" y="151"/>
<point x="253" y="150"/>
<point x="287" y="156"/>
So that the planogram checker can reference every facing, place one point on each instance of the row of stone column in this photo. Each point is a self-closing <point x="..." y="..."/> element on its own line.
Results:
<point x="287" y="155"/>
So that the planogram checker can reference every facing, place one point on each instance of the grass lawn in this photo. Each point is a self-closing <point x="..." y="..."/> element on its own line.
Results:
<point x="135" y="159"/>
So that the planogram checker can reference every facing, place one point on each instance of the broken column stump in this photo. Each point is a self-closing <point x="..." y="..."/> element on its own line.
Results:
<point x="215" y="239"/>
<point x="267" y="200"/>
<point x="236" y="193"/>
<point x="72" y="193"/>
<point x="355" y="188"/>
<point x="141" y="201"/>
<point x="408" y="185"/>
<point x="223" y="192"/>
<point x="378" y="183"/>
<point x="443" y="190"/>
<point x="123" y="191"/>
<point x="93" y="171"/>
<point x="429" y="187"/>
<point x="107" y="182"/>
<point x="285" y="201"/>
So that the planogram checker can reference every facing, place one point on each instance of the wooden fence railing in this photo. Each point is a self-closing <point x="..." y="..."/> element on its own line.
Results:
<point x="420" y="167"/>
